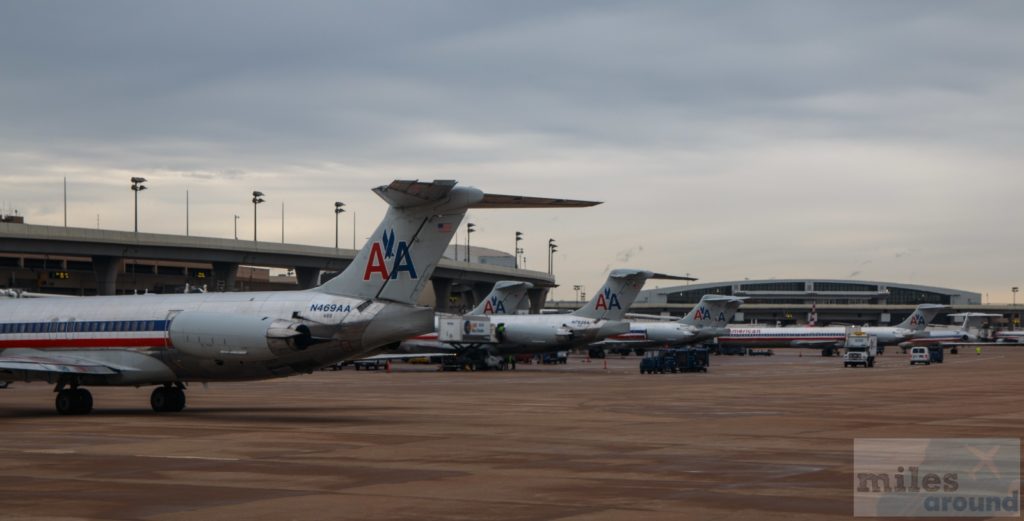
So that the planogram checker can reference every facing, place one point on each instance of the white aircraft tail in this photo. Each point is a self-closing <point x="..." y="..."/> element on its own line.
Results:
<point x="713" y="311"/>
<point x="504" y="299"/>
<point x="618" y="294"/>
<point x="921" y="317"/>
<point x="397" y="261"/>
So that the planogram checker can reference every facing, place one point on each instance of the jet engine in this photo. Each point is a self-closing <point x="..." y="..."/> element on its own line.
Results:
<point x="237" y="337"/>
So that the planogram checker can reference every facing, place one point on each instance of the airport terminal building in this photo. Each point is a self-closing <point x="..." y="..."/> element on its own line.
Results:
<point x="790" y="301"/>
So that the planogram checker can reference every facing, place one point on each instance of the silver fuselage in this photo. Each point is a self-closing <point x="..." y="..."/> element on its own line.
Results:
<point x="132" y="333"/>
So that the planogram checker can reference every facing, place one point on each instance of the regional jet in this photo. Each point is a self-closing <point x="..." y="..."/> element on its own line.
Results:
<point x="601" y="317"/>
<point x="171" y="340"/>
<point x="828" y="337"/>
<point x="951" y="337"/>
<point x="706" y="321"/>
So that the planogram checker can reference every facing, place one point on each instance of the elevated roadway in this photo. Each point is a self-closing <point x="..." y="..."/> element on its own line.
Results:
<point x="108" y="248"/>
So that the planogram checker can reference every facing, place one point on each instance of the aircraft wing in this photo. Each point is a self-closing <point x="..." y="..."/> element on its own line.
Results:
<point x="54" y="364"/>
<point x="660" y="318"/>
<point x="405" y="356"/>
<point x="816" y="344"/>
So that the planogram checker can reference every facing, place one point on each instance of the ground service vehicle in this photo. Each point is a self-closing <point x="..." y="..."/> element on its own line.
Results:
<point x="558" y="357"/>
<point x="658" y="362"/>
<point x="861" y="349"/>
<point x="920" y="355"/>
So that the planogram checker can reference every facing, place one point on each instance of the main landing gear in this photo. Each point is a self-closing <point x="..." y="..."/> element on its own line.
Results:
<point x="169" y="398"/>
<point x="74" y="401"/>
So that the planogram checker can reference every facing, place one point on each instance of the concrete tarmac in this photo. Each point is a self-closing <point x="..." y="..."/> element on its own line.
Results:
<point x="755" y="438"/>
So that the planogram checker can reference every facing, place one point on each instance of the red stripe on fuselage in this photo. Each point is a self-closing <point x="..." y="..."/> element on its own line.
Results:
<point x="774" y="338"/>
<point x="83" y="343"/>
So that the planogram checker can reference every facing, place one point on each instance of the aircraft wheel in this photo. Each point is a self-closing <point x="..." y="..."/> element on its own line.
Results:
<point x="179" y="399"/>
<point x="167" y="399"/>
<point x="82" y="399"/>
<point x="65" y="402"/>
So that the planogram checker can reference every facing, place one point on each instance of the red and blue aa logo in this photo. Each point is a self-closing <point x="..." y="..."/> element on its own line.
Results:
<point x="388" y="258"/>
<point x="607" y="300"/>
<point x="916" y="320"/>
<point x="704" y="313"/>
<point x="494" y="305"/>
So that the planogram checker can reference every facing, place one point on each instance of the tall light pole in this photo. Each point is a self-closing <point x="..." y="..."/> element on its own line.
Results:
<point x="552" y="248"/>
<point x="469" y="230"/>
<point x="236" y="226"/>
<point x="137" y="187"/>
<point x="577" y="288"/>
<point x="1015" y="289"/>
<point x="337" y="212"/>
<point x="257" y="198"/>
<point x="519" y="251"/>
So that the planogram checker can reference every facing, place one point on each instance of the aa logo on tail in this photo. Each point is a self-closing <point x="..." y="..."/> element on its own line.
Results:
<point x="607" y="300"/>
<point x="494" y="305"/>
<point x="704" y="314"/>
<point x="388" y="259"/>
<point x="916" y="320"/>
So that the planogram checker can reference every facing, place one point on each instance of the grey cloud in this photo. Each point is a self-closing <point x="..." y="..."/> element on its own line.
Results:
<point x="731" y="125"/>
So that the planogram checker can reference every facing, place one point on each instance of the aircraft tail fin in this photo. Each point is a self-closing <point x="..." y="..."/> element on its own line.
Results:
<point x="400" y="256"/>
<point x="921" y="317"/>
<point x="618" y="293"/>
<point x="713" y="311"/>
<point x="504" y="299"/>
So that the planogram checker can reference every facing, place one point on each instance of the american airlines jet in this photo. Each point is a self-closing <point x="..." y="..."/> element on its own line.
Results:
<point x="952" y="337"/>
<point x="505" y="298"/>
<point x="826" y="337"/>
<point x="601" y="317"/>
<point x="171" y="340"/>
<point x="706" y="321"/>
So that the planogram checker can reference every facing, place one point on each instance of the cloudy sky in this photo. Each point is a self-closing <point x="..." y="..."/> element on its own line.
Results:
<point x="868" y="140"/>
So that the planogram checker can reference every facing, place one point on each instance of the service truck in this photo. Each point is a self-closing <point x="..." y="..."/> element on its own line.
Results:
<point x="861" y="348"/>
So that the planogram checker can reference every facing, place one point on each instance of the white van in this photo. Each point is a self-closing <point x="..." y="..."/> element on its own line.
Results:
<point x="920" y="355"/>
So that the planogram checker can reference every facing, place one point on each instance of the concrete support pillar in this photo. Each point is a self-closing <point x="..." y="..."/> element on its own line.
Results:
<point x="480" y="290"/>
<point x="106" y="269"/>
<point x="442" y="294"/>
<point x="307" y="277"/>
<point x="538" y="296"/>
<point x="224" y="276"/>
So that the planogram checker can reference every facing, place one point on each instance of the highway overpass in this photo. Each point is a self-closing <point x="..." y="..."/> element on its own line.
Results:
<point x="108" y="252"/>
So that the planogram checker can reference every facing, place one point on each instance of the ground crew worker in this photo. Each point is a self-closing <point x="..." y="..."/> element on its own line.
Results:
<point x="977" y="350"/>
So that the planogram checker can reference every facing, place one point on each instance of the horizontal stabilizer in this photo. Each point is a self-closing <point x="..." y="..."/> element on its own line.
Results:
<point x="518" y="201"/>
<point x="624" y="273"/>
<point x="397" y="261"/>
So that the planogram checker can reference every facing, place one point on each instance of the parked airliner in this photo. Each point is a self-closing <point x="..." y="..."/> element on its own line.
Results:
<point x="706" y="321"/>
<point x="826" y="337"/>
<point x="171" y="340"/>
